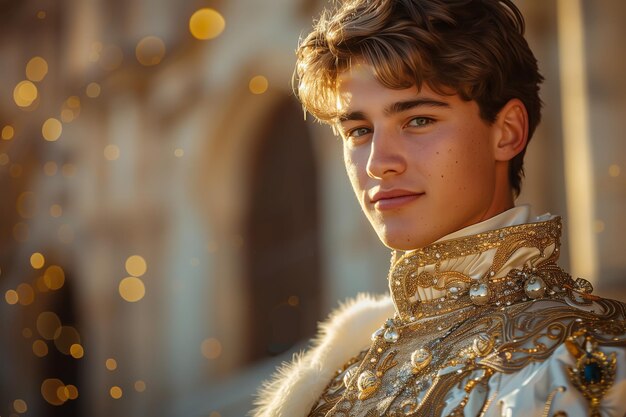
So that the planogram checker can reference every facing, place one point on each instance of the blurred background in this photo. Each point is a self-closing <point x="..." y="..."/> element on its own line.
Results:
<point x="172" y="228"/>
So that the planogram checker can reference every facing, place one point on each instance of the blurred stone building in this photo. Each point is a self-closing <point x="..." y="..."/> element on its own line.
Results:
<point x="172" y="227"/>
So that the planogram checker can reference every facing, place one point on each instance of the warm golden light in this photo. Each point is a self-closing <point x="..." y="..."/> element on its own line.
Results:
<point x="115" y="392"/>
<point x="41" y="14"/>
<point x="136" y="265"/>
<point x="26" y="294"/>
<point x="63" y="393"/>
<point x="68" y="170"/>
<point x="50" y="168"/>
<point x="215" y="414"/>
<point x="24" y="93"/>
<point x="132" y="289"/>
<point x="8" y="132"/>
<point x="211" y="348"/>
<point x="40" y="348"/>
<point x="72" y="391"/>
<point x="48" y="323"/>
<point x="51" y="129"/>
<point x="27" y="333"/>
<point x="111" y="152"/>
<point x="56" y="210"/>
<point x="25" y="204"/>
<point x="140" y="386"/>
<point x="258" y="84"/>
<point x="65" y="337"/>
<point x="37" y="260"/>
<point x="111" y="364"/>
<point x="49" y="391"/>
<point x="614" y="170"/>
<point x="150" y="51"/>
<point x="20" y="406"/>
<point x="293" y="301"/>
<point x="598" y="226"/>
<point x="4" y="159"/>
<point x="77" y="351"/>
<point x="54" y="277"/>
<point x="206" y="24"/>
<point x="11" y="297"/>
<point x="92" y="90"/>
<point x="15" y="171"/>
<point x="36" y="69"/>
<point x="179" y="153"/>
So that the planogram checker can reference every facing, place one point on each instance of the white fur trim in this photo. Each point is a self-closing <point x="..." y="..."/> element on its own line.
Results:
<point x="295" y="387"/>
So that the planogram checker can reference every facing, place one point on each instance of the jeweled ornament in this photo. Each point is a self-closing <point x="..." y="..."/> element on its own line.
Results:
<point x="534" y="287"/>
<point x="420" y="359"/>
<point x="480" y="294"/>
<point x="367" y="384"/>
<point x="391" y="335"/>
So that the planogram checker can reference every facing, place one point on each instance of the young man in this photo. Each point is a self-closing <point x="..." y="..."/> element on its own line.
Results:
<point x="436" y="102"/>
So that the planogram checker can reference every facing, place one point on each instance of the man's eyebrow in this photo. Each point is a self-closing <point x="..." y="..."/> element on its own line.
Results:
<point x="395" y="108"/>
<point x="401" y="106"/>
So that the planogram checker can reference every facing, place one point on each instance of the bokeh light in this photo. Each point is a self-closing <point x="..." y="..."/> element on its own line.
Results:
<point x="25" y="204"/>
<point x="8" y="132"/>
<point x="27" y="333"/>
<point x="111" y="152"/>
<point x="56" y="210"/>
<point x="72" y="391"/>
<point x="92" y="90"/>
<point x="50" y="391"/>
<point x="40" y="348"/>
<point x="37" y="260"/>
<point x="206" y="24"/>
<point x="54" y="277"/>
<point x="11" y="297"/>
<point x="71" y="109"/>
<point x="132" y="289"/>
<point x="110" y="364"/>
<point x="20" y="406"/>
<point x="211" y="348"/>
<point x="140" y="386"/>
<point x="36" y="69"/>
<point x="614" y="170"/>
<point x="48" y="323"/>
<point x="26" y="294"/>
<point x="50" y="168"/>
<point x="52" y="129"/>
<point x="24" y="93"/>
<point x="150" y="51"/>
<point x="258" y="84"/>
<point x="65" y="337"/>
<point x="116" y="392"/>
<point x="111" y="57"/>
<point x="136" y="265"/>
<point x="179" y="153"/>
<point x="77" y="351"/>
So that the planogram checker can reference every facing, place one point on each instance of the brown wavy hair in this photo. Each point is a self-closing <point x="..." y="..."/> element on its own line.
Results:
<point x="474" y="47"/>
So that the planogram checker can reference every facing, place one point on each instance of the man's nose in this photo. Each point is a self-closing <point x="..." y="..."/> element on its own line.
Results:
<point x="386" y="156"/>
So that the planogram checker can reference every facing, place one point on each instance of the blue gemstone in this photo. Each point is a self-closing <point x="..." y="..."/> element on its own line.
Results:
<point x="592" y="373"/>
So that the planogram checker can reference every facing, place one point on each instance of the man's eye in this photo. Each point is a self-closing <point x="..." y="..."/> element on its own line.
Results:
<point x="420" y="121"/>
<point x="358" y="132"/>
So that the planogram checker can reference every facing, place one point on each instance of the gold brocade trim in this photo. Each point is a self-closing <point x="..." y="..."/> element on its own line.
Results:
<point x="405" y="276"/>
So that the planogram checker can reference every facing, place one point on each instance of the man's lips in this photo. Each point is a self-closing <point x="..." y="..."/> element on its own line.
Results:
<point x="391" y="199"/>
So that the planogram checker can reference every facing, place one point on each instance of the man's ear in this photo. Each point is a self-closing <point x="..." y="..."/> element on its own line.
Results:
<point x="512" y="130"/>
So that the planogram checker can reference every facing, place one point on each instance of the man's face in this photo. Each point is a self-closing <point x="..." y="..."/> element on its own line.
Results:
<point x="421" y="164"/>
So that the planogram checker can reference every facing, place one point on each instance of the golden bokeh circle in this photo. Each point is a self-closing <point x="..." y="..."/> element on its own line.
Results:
<point x="93" y="90"/>
<point x="48" y="323"/>
<point x="25" y="93"/>
<point x="116" y="392"/>
<point x="50" y="391"/>
<point x="25" y="204"/>
<point x="37" y="260"/>
<point x="8" y="132"/>
<point x="140" y="386"/>
<point x="36" y="69"/>
<point x="211" y="348"/>
<point x="150" y="51"/>
<point x="11" y="297"/>
<point x="54" y="277"/>
<point x="111" y="152"/>
<point x="258" y="84"/>
<point x="136" y="265"/>
<point x="65" y="337"/>
<point x="52" y="129"/>
<point x="26" y="294"/>
<point x="40" y="348"/>
<point x="20" y="406"/>
<point x="72" y="391"/>
<point x="77" y="351"/>
<point x="110" y="364"/>
<point x="132" y="289"/>
<point x="206" y="24"/>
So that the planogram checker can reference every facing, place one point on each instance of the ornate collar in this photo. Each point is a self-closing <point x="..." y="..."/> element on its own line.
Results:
<point x="498" y="267"/>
